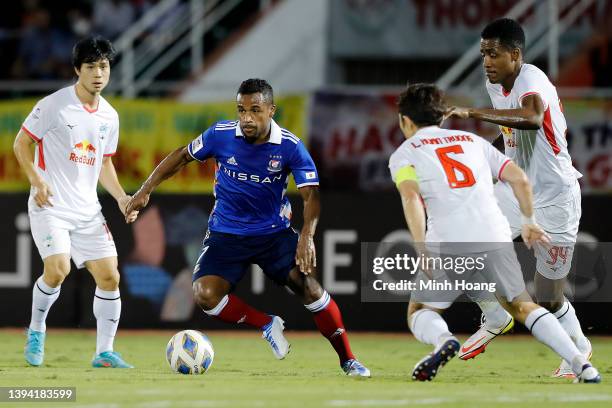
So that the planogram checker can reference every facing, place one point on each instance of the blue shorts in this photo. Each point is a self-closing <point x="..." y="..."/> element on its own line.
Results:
<point x="230" y="256"/>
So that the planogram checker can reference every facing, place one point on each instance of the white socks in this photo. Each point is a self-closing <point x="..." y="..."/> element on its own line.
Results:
<point x="429" y="327"/>
<point x="568" y="320"/>
<point x="545" y="327"/>
<point x="43" y="296"/>
<point x="495" y="314"/>
<point x="107" y="309"/>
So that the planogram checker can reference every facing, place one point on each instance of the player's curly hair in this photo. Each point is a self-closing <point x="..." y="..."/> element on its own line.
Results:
<point x="256" y="85"/>
<point x="423" y="103"/>
<point x="92" y="49"/>
<point x="509" y="33"/>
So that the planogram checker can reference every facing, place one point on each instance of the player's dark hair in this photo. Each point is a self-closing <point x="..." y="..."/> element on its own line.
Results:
<point x="509" y="33"/>
<point x="92" y="49"/>
<point x="423" y="104"/>
<point x="256" y="85"/>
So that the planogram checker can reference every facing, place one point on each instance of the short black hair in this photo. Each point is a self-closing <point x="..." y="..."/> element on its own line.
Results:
<point x="256" y="85"/>
<point x="423" y="103"/>
<point x="92" y="49"/>
<point x="508" y="31"/>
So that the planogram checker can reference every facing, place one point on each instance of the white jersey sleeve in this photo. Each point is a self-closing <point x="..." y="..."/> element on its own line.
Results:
<point x="497" y="161"/>
<point x="533" y="84"/>
<point x="398" y="160"/>
<point x="40" y="120"/>
<point x="111" y="147"/>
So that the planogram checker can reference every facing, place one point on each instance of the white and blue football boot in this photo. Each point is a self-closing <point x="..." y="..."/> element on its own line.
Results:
<point x="588" y="374"/>
<point x="273" y="334"/>
<point x="354" y="368"/>
<point x="35" y="347"/>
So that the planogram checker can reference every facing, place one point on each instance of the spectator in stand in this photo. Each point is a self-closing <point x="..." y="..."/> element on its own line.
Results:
<point x="41" y="53"/>
<point x="79" y="21"/>
<point x="112" y="17"/>
<point x="142" y="6"/>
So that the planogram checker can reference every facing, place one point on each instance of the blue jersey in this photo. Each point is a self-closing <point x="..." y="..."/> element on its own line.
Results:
<point x="251" y="180"/>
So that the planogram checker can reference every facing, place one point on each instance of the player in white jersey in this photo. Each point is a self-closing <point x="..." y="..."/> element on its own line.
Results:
<point x="450" y="172"/>
<point x="530" y="115"/>
<point x="75" y="131"/>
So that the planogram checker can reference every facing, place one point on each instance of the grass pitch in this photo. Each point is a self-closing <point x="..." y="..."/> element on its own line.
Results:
<point x="514" y="372"/>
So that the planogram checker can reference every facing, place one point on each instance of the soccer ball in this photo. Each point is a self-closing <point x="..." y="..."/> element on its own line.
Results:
<point x="190" y="352"/>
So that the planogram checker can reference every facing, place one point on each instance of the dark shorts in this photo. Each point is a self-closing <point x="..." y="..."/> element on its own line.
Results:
<point x="230" y="256"/>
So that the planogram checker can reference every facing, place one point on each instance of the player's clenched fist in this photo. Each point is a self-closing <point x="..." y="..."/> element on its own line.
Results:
<point x="306" y="257"/>
<point x="42" y="194"/>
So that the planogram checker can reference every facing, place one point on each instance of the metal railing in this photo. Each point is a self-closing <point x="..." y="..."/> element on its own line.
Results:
<point x="185" y="25"/>
<point x="544" y="38"/>
<point x="153" y="42"/>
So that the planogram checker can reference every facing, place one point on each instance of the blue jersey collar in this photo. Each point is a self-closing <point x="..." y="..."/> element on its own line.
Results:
<point x="275" y="134"/>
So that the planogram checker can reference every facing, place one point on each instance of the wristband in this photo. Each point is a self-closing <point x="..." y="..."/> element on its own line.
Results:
<point x="528" y="220"/>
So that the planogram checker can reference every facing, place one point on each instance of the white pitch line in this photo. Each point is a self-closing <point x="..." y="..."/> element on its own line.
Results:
<point x="393" y="402"/>
<point x="529" y="397"/>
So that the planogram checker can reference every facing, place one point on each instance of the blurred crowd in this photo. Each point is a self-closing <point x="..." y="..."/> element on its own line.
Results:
<point x="36" y="36"/>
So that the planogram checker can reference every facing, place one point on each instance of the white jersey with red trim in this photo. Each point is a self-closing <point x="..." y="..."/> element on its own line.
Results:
<point x="71" y="143"/>
<point x="455" y="171"/>
<point x="541" y="153"/>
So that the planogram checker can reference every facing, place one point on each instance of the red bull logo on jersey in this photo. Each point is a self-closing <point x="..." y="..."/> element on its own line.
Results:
<point x="84" y="153"/>
<point x="508" y="136"/>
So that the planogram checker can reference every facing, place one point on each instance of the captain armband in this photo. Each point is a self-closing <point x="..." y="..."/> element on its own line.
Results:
<point x="406" y="173"/>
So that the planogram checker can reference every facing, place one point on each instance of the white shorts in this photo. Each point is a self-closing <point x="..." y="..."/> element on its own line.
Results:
<point x="560" y="221"/>
<point x="83" y="241"/>
<point x="501" y="267"/>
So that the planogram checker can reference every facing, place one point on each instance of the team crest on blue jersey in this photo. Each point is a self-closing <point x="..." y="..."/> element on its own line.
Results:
<point x="274" y="165"/>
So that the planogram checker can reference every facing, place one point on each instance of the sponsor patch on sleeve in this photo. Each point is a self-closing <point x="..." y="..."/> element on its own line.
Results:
<point x="311" y="175"/>
<point x="197" y="144"/>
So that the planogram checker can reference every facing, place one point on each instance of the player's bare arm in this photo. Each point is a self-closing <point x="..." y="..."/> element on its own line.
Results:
<point x="109" y="180"/>
<point x="25" y="156"/>
<point x="306" y="257"/>
<point x="413" y="209"/>
<point x="529" y="116"/>
<point x="414" y="213"/>
<point x="531" y="231"/>
<point x="166" y="169"/>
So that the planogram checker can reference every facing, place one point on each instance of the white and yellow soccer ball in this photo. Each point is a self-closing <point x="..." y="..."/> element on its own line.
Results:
<point x="190" y="352"/>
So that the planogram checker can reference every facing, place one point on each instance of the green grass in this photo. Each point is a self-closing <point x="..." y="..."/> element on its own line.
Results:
<point x="514" y="372"/>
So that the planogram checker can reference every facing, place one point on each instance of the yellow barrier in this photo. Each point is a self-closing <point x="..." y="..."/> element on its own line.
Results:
<point x="150" y="129"/>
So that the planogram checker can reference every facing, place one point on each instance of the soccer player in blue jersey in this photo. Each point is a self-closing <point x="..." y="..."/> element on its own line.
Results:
<point x="250" y="222"/>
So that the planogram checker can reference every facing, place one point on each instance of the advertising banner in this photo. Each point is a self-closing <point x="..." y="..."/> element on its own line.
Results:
<point x="358" y="241"/>
<point x="150" y="129"/>
<point x="441" y="28"/>
<point x="352" y="135"/>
